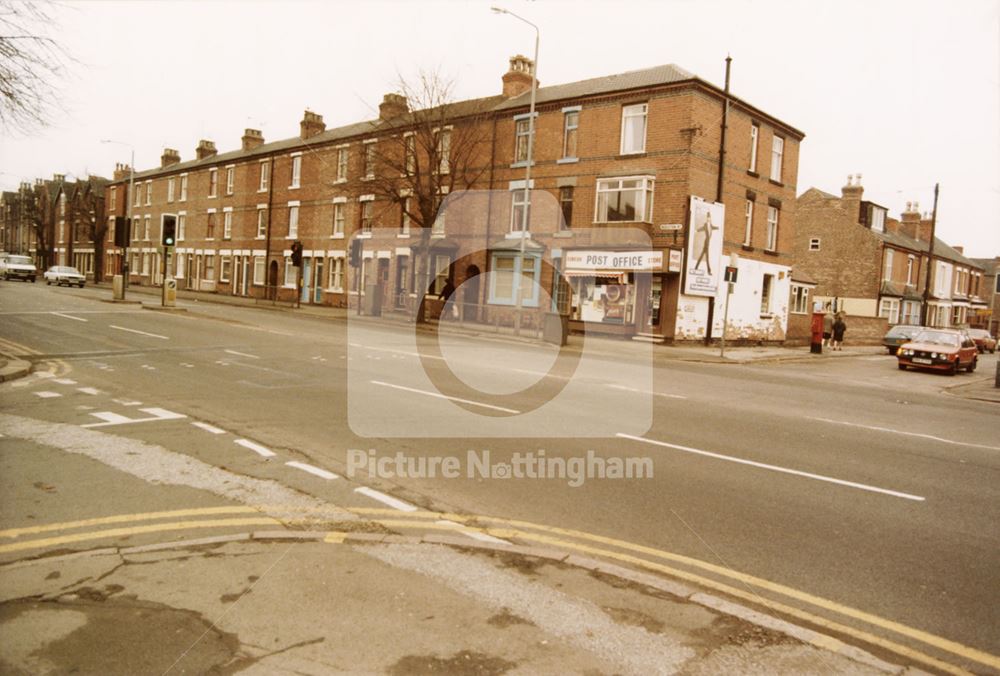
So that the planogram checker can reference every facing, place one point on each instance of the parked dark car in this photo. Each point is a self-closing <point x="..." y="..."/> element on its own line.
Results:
<point x="940" y="350"/>
<point x="899" y="334"/>
<point x="984" y="341"/>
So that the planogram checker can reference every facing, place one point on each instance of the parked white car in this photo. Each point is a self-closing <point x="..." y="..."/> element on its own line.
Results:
<point x="63" y="274"/>
<point x="19" y="267"/>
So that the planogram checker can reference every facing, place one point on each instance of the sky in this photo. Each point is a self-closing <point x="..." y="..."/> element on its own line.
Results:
<point x="906" y="93"/>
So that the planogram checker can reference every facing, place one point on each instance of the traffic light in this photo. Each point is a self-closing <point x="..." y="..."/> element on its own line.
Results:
<point x="123" y="230"/>
<point x="355" y="259"/>
<point x="297" y="254"/>
<point x="168" y="231"/>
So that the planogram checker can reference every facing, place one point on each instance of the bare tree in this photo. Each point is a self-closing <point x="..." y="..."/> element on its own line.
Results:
<point x="428" y="148"/>
<point x="38" y="211"/>
<point x="31" y="63"/>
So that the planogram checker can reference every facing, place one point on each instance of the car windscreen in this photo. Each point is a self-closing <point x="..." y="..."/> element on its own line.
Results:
<point x="19" y="260"/>
<point x="937" y="338"/>
<point x="903" y="331"/>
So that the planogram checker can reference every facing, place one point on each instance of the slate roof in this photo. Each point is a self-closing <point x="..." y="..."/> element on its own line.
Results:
<point x="941" y="250"/>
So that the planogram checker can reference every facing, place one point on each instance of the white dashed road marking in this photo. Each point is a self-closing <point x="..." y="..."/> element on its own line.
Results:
<point x="655" y="394"/>
<point x="256" y="448"/>
<point x="88" y="390"/>
<point x="386" y="499"/>
<point x="47" y="395"/>
<point x="141" y="333"/>
<point x="775" y="468"/>
<point x="438" y="395"/>
<point x="322" y="473"/>
<point x="127" y="402"/>
<point x="909" y="434"/>
<point x="241" y="354"/>
<point x="65" y="381"/>
<point x="79" y="319"/>
<point x="113" y="418"/>
<point x="110" y="418"/>
<point x="208" y="428"/>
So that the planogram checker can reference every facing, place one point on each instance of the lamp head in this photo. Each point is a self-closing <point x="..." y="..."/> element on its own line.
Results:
<point x="498" y="10"/>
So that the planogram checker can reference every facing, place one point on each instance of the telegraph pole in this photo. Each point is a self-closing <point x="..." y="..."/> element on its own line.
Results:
<point x="924" y="310"/>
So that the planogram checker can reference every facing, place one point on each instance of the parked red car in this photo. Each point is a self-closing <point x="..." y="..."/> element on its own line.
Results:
<point x="984" y="341"/>
<point x="941" y="350"/>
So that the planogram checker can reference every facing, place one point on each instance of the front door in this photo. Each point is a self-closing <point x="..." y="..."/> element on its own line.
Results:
<point x="306" y="282"/>
<point x="318" y="285"/>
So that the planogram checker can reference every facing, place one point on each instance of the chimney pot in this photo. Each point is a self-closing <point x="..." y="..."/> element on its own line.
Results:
<point x="517" y="79"/>
<point x="311" y="125"/>
<point x="170" y="156"/>
<point x="205" y="149"/>
<point x="252" y="138"/>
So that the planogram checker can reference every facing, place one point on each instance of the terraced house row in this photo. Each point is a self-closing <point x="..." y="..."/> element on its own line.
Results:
<point x="436" y="191"/>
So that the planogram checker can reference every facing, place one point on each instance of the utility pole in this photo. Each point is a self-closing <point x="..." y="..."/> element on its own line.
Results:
<point x="924" y="310"/>
<point x="718" y="195"/>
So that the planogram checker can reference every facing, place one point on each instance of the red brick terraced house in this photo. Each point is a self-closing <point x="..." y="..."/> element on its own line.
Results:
<point x="630" y="151"/>
<point x="875" y="268"/>
<point x="989" y="318"/>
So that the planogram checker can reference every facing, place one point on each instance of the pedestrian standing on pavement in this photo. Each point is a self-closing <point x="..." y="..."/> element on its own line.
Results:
<point x="827" y="327"/>
<point x="839" y="327"/>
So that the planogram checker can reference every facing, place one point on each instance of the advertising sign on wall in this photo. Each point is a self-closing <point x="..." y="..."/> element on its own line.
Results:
<point x="704" y="248"/>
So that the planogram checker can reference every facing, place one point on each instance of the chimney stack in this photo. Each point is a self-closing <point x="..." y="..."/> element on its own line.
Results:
<point x="58" y="178"/>
<point x="122" y="171"/>
<point x="909" y="221"/>
<point x="393" y="106"/>
<point x="311" y="125"/>
<point x="851" y="197"/>
<point x="924" y="227"/>
<point x="169" y="157"/>
<point x="517" y="79"/>
<point x="252" y="138"/>
<point x="205" y="149"/>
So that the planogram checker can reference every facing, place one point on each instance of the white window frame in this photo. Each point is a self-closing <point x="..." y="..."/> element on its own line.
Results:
<point x="209" y="220"/>
<point x="527" y="301"/>
<point x="149" y="193"/>
<point x="521" y="138"/>
<point x="261" y="221"/>
<point x="183" y="189"/>
<point x="766" y="295"/>
<point x="293" y="219"/>
<point x="265" y="176"/>
<point x="519" y="199"/>
<point x="343" y="157"/>
<point x="114" y="197"/>
<point x="815" y="244"/>
<point x="227" y="223"/>
<point x="289" y="271"/>
<point x="748" y="222"/>
<point x="213" y="182"/>
<point x="336" y="272"/>
<point x="146" y="229"/>
<point x="366" y="207"/>
<point x="754" y="141"/>
<point x="170" y="189"/>
<point x="339" y="217"/>
<point x="230" y="179"/>
<point x="569" y="114"/>
<point x="443" y="148"/>
<point x="404" y="216"/>
<point x="777" y="157"/>
<point x="630" y="114"/>
<point x="889" y="309"/>
<point x="887" y="266"/>
<point x="800" y="299"/>
<point x="225" y="268"/>
<point x="773" y="215"/>
<point x="259" y="270"/>
<point x="296" y="171"/>
<point x="643" y="209"/>
<point x="181" y="225"/>
<point x="369" y="159"/>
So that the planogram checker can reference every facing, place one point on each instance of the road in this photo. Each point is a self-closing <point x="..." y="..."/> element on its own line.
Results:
<point x="868" y="497"/>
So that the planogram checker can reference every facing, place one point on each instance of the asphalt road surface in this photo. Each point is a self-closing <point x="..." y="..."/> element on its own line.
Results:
<point x="869" y="495"/>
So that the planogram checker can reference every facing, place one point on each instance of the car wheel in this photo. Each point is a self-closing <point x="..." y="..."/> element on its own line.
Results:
<point x="33" y="280"/>
<point x="954" y="368"/>
<point x="972" y="365"/>
<point x="81" y="285"/>
<point x="48" y="282"/>
<point x="892" y="350"/>
<point x="902" y="367"/>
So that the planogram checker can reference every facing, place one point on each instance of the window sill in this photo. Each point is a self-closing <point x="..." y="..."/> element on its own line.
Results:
<point x="568" y="160"/>
<point x="337" y="235"/>
<point x="261" y="189"/>
<point x="777" y="183"/>
<point x="367" y="178"/>
<point x="291" y="237"/>
<point x="364" y="235"/>
<point x="771" y="252"/>
<point x="563" y="234"/>
<point x="751" y="172"/>
<point x="402" y="236"/>
<point x="747" y="247"/>
<point x="638" y="153"/>
<point x="294" y="187"/>
<point x="517" y="235"/>
<point x="340" y="180"/>
<point x="521" y="165"/>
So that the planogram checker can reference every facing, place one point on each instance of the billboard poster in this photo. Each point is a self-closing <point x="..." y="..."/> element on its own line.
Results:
<point x="703" y="262"/>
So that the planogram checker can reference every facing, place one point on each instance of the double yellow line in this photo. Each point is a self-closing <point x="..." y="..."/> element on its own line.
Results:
<point x="9" y="347"/>
<point x="749" y="589"/>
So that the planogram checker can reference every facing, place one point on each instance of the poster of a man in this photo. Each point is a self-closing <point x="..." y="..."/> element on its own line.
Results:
<point x="704" y="247"/>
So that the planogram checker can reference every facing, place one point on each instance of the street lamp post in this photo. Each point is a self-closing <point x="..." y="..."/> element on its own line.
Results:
<point x="129" y="199"/>
<point x="527" y="168"/>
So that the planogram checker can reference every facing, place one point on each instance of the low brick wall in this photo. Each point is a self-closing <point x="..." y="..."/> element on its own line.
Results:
<point x="865" y="330"/>
<point x="799" y="330"/>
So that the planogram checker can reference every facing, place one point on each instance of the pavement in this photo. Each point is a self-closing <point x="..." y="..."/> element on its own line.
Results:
<point x="305" y="602"/>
